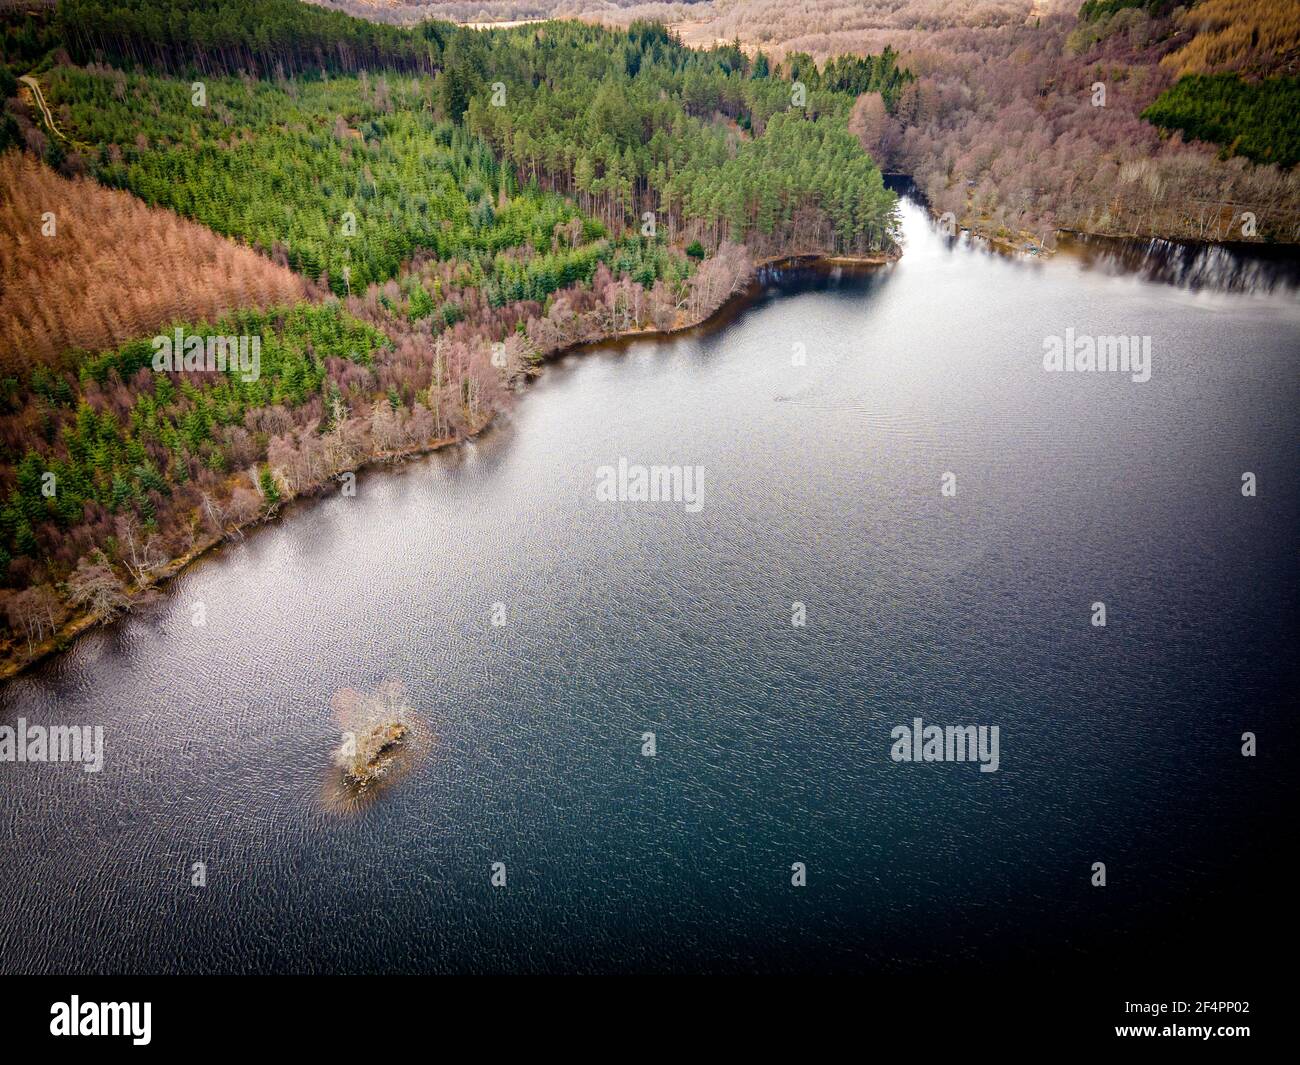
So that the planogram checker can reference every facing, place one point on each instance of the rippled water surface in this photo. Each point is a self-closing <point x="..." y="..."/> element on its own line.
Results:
<point x="822" y="484"/>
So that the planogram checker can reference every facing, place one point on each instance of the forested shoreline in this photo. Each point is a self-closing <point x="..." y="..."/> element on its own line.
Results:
<point x="409" y="218"/>
<point x="444" y="213"/>
<point x="1167" y="119"/>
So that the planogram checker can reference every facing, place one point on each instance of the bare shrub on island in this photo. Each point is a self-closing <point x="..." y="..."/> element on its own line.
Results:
<point x="375" y="726"/>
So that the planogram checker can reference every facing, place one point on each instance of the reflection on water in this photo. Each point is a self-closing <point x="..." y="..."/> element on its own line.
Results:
<point x="1254" y="268"/>
<point x="772" y="741"/>
<point x="1240" y="267"/>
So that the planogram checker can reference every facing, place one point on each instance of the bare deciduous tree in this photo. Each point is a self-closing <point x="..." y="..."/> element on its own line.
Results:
<point x="139" y="550"/>
<point x="35" y="612"/>
<point x="95" y="588"/>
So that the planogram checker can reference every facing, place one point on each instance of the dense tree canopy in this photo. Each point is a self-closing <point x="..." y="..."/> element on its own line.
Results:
<point x="1255" y="119"/>
<point x="223" y="36"/>
<point x="356" y="174"/>
<point x="349" y="174"/>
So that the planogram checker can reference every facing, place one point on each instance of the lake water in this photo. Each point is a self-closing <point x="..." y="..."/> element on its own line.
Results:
<point x="822" y="484"/>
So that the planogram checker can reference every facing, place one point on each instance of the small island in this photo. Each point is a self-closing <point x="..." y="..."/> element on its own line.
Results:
<point x="381" y="740"/>
<point x="364" y="758"/>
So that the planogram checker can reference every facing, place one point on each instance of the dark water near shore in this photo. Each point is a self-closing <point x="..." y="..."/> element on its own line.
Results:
<point x="1119" y="745"/>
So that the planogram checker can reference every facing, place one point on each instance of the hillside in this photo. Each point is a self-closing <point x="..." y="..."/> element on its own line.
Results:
<point x="361" y="207"/>
<point x="409" y="218"/>
<point x="1002" y="129"/>
<point x="87" y="267"/>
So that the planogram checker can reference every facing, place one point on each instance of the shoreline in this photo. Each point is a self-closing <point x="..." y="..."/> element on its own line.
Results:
<point x="76" y="626"/>
<point x="12" y="665"/>
<point x="1028" y="244"/>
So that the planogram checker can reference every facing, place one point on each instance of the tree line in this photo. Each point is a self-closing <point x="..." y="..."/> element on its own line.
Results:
<point x="259" y="37"/>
